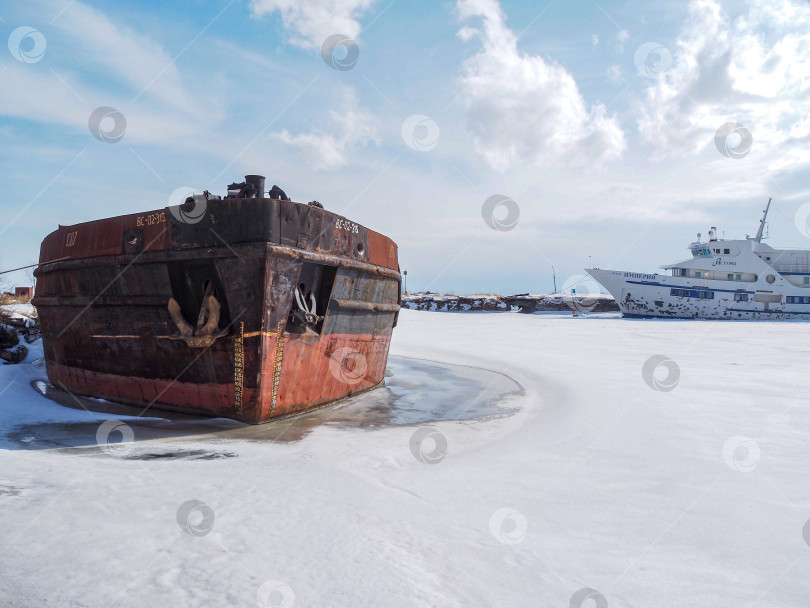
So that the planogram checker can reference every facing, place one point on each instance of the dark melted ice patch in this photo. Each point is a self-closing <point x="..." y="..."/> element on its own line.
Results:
<point x="175" y="454"/>
<point x="418" y="391"/>
<point x="415" y="392"/>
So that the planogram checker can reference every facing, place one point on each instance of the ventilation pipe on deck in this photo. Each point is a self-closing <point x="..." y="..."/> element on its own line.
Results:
<point x="257" y="182"/>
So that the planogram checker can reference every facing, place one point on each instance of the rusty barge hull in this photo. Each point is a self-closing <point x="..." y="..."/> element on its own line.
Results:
<point x="251" y="309"/>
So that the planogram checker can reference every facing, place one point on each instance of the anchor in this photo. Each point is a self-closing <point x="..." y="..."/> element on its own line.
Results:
<point x="207" y="330"/>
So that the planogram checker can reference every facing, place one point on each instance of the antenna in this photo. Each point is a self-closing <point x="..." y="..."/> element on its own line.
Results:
<point x="758" y="237"/>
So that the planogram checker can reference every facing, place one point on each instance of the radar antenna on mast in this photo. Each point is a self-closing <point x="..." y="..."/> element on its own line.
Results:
<point x="758" y="237"/>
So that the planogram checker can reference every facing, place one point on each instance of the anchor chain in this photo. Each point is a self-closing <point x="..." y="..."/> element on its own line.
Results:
<point x="306" y="314"/>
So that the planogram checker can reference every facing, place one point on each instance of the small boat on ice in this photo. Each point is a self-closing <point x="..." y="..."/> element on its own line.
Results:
<point x="724" y="279"/>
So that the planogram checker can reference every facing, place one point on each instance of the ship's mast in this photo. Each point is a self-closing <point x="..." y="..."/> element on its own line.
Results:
<point x="758" y="237"/>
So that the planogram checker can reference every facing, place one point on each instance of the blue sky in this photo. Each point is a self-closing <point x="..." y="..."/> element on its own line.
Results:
<point x="607" y="150"/>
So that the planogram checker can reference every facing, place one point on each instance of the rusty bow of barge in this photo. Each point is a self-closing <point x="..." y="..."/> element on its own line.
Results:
<point x="244" y="307"/>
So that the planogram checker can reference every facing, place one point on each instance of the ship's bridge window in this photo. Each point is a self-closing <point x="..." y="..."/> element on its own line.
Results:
<point x="807" y="280"/>
<point x="692" y="293"/>
<point x="726" y="251"/>
<point x="798" y="299"/>
<point x="740" y="297"/>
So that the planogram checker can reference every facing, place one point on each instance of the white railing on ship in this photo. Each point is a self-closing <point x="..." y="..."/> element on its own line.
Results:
<point x="791" y="267"/>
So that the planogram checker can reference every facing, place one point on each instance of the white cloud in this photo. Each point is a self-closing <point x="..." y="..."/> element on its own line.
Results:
<point x="614" y="74"/>
<point x="594" y="42"/>
<point x="29" y="95"/>
<point x="753" y="70"/>
<point x="621" y="38"/>
<point x="524" y="109"/>
<point x="22" y="96"/>
<point x="127" y="56"/>
<point x="352" y="126"/>
<point x="310" y="22"/>
<point x="108" y="65"/>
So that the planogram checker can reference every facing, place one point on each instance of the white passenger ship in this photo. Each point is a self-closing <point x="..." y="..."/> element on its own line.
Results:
<point x="724" y="279"/>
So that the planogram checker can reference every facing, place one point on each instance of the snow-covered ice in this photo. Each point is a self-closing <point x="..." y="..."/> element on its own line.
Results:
<point x="674" y="481"/>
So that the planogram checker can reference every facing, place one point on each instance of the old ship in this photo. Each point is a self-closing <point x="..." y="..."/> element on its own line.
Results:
<point x="246" y="307"/>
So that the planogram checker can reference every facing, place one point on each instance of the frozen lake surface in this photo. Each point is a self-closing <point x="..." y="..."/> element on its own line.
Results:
<point x="510" y="460"/>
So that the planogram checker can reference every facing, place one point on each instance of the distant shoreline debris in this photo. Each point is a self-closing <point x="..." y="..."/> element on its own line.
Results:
<point x="526" y="303"/>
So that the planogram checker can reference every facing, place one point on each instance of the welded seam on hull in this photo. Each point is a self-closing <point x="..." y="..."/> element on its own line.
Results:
<point x="239" y="367"/>
<point x="277" y="357"/>
<point x="250" y="334"/>
<point x="277" y="251"/>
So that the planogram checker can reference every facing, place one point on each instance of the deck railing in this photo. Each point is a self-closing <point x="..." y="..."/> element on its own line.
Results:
<point x="791" y="268"/>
